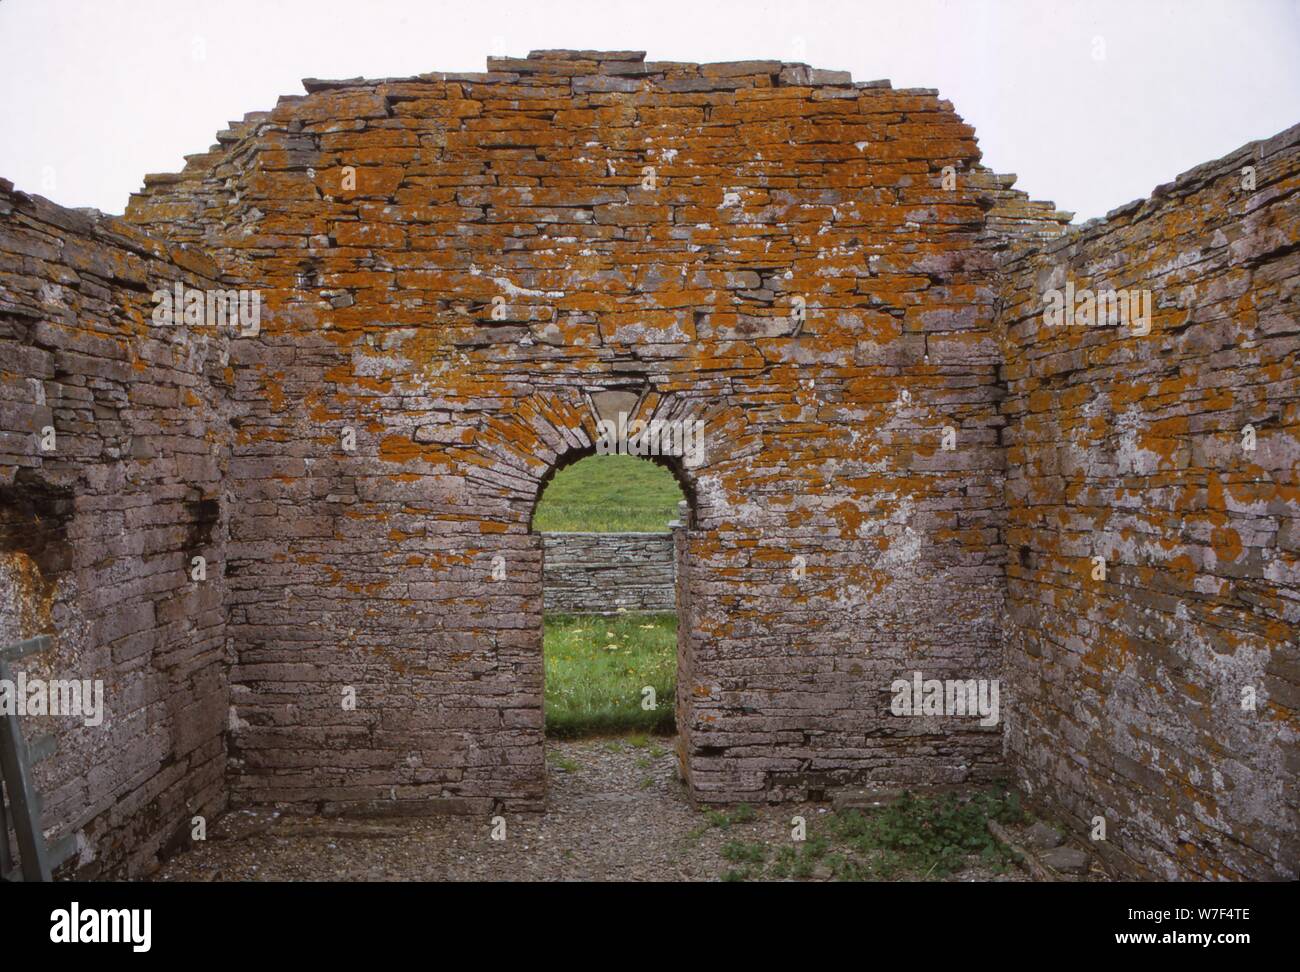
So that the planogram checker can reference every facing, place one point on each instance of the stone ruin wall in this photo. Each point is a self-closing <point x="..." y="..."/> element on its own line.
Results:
<point x="1128" y="691"/>
<point x="371" y="569"/>
<point x="98" y="532"/>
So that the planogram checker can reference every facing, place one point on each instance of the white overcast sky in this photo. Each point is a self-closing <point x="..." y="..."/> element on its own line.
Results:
<point x="95" y="93"/>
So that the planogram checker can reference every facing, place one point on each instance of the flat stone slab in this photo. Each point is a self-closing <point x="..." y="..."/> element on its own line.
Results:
<point x="1042" y="836"/>
<point x="1066" y="860"/>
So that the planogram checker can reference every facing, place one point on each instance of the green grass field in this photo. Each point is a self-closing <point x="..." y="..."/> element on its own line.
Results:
<point x="609" y="494"/>
<point x="597" y="668"/>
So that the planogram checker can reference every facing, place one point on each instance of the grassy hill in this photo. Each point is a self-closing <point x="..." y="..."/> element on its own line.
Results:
<point x="609" y="494"/>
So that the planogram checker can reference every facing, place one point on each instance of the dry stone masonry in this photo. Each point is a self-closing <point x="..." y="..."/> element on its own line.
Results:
<point x="604" y="573"/>
<point x="1161" y="693"/>
<point x="114" y="446"/>
<point x="905" y="471"/>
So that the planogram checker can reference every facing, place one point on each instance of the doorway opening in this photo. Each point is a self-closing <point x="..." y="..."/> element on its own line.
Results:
<point x="609" y="576"/>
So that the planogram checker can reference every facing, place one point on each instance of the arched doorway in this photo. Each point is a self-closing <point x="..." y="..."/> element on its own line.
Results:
<point x="611" y="528"/>
<point x="609" y="597"/>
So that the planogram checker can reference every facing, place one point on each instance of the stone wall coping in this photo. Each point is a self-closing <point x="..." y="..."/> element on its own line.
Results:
<point x="112" y="230"/>
<point x="1183" y="185"/>
<point x="559" y="66"/>
<point x="605" y="533"/>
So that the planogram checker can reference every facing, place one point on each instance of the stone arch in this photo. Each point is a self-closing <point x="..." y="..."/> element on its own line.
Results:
<point x="641" y="405"/>
<point x="680" y="476"/>
<point x="547" y="430"/>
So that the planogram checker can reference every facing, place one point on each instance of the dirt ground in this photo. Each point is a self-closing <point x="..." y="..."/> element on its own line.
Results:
<point x="617" y="812"/>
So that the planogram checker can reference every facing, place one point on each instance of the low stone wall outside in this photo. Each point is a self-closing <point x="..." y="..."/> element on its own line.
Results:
<point x="598" y="573"/>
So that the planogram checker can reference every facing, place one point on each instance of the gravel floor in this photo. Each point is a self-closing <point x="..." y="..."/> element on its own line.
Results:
<point x="617" y="812"/>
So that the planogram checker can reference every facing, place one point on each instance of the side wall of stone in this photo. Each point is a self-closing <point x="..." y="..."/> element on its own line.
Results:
<point x="1163" y="695"/>
<point x="601" y="573"/>
<point x="113" y="449"/>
